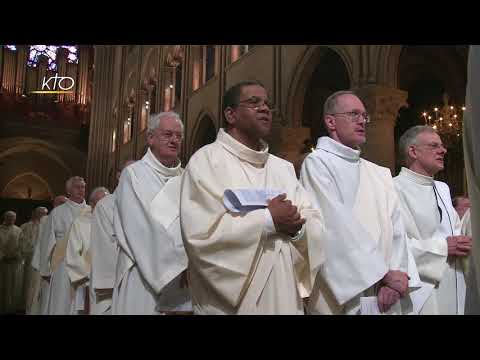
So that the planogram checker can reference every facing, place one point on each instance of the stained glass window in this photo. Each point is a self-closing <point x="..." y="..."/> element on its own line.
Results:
<point x="50" y="51"/>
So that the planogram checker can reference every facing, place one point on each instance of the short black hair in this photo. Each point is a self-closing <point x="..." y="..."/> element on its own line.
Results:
<point x="231" y="97"/>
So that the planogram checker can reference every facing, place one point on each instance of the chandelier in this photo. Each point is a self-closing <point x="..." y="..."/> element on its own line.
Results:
<point x="447" y="121"/>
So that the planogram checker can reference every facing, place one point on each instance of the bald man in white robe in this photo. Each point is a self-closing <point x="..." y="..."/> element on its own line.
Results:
<point x="78" y="255"/>
<point x="104" y="252"/>
<point x="366" y="253"/>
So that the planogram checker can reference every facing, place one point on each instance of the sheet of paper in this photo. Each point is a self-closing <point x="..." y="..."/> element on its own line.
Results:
<point x="420" y="296"/>
<point x="414" y="281"/>
<point x="245" y="200"/>
<point x="80" y="298"/>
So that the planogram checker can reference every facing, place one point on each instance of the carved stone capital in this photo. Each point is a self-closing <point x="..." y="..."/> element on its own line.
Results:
<point x="382" y="102"/>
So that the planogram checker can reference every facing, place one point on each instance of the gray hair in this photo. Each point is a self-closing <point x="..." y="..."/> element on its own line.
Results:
<point x="331" y="103"/>
<point x="154" y="121"/>
<point x="39" y="210"/>
<point x="98" y="189"/>
<point x="9" y="213"/>
<point x="72" y="180"/>
<point x="409" y="138"/>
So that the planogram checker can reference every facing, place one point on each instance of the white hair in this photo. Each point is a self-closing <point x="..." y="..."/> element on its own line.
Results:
<point x="409" y="138"/>
<point x="72" y="180"/>
<point x="39" y="210"/>
<point x="9" y="213"/>
<point x="154" y="121"/>
<point x="98" y="189"/>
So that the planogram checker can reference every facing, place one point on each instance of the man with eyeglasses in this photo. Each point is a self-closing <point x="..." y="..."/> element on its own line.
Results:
<point x="151" y="260"/>
<point x="366" y="254"/>
<point x="245" y="219"/>
<point x="432" y="224"/>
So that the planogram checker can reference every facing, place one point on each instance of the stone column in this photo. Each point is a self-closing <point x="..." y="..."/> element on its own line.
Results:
<point x="82" y="77"/>
<point x="62" y="54"/>
<point x="138" y="132"/>
<point x="9" y="65"/>
<point x="100" y="131"/>
<point x="383" y="104"/>
<point x="22" y="57"/>
<point x="43" y="72"/>
<point x="2" y="50"/>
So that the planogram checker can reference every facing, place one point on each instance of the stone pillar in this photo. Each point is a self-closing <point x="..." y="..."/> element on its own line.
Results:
<point x="185" y="94"/>
<point x="168" y="93"/>
<point x="100" y="131"/>
<point x="383" y="104"/>
<point x="43" y="72"/>
<point x="138" y="132"/>
<point x="288" y="142"/>
<point x="2" y="50"/>
<point x="82" y="77"/>
<point x="22" y="57"/>
<point x="9" y="66"/>
<point x="62" y="54"/>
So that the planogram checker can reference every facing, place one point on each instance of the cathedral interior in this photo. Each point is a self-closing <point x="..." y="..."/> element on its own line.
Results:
<point x="100" y="122"/>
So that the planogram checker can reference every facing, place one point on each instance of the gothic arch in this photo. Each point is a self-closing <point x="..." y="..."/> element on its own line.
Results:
<point x="52" y="163"/>
<point x="204" y="131"/>
<point x="130" y="87"/>
<point x="388" y="63"/>
<point x="149" y="65"/>
<point x="309" y="62"/>
<point x="42" y="192"/>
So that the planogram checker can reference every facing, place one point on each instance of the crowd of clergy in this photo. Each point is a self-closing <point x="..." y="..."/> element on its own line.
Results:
<point x="237" y="232"/>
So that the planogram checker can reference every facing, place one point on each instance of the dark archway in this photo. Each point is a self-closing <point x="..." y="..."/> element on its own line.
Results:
<point x="330" y="75"/>
<point x="28" y="186"/>
<point x="205" y="134"/>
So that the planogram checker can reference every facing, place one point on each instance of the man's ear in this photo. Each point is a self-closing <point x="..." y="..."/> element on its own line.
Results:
<point x="229" y="116"/>
<point x="149" y="138"/>
<point x="412" y="152"/>
<point x="330" y="123"/>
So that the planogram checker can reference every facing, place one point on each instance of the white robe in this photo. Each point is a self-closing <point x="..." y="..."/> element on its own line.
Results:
<point x="472" y="299"/>
<point x="471" y="151"/>
<point x="42" y="243"/>
<point x="427" y="240"/>
<point x="77" y="260"/>
<point x="236" y="266"/>
<point x="151" y="256"/>
<point x="104" y="252"/>
<point x="39" y="285"/>
<point x="28" y="239"/>
<point x="365" y="237"/>
<point x="52" y="256"/>
<point x="11" y="269"/>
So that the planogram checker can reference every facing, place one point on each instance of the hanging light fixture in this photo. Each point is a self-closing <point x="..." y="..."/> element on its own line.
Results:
<point x="447" y="121"/>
